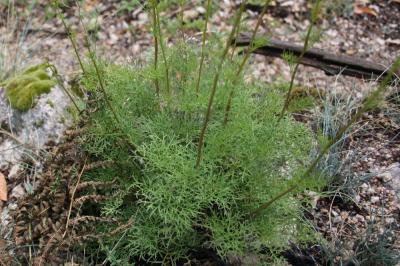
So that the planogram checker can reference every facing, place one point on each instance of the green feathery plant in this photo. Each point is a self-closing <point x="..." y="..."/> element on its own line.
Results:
<point x="93" y="59"/>
<point x="229" y="192"/>
<point x="307" y="40"/>
<point x="177" y="207"/>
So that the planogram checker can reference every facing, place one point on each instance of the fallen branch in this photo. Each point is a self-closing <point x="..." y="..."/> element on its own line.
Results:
<point x="331" y="64"/>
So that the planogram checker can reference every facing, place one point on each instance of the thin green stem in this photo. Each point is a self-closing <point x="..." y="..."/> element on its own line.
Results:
<point x="244" y="60"/>
<point x="92" y="57"/>
<point x="156" y="82"/>
<point x="162" y="47"/>
<point x="70" y="34"/>
<point x="365" y="106"/>
<point x="57" y="76"/>
<point x="181" y="5"/>
<point x="203" y="44"/>
<point x="214" y="85"/>
<point x="314" y="16"/>
<point x="234" y="42"/>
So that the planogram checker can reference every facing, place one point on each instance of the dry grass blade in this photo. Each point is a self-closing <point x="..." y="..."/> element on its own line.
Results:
<point x="3" y="188"/>
<point x="72" y="197"/>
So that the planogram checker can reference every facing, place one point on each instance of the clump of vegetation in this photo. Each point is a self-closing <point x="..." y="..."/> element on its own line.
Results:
<point x="22" y="89"/>
<point x="203" y="160"/>
<point x="176" y="206"/>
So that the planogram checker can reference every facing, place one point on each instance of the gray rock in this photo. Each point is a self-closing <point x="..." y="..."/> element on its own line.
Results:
<point x="24" y="135"/>
<point x="28" y="132"/>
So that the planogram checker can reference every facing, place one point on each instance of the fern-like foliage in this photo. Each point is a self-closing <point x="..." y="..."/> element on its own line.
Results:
<point x="175" y="206"/>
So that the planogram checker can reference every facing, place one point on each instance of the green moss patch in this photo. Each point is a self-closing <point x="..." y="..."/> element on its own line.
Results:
<point x="22" y="89"/>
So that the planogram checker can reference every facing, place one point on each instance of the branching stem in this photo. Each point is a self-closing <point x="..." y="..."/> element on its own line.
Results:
<point x="244" y="60"/>
<point x="100" y="79"/>
<point x="365" y="106"/>
<point x="92" y="57"/>
<point x="156" y="82"/>
<point x="215" y="82"/>
<point x="60" y="82"/>
<point x="314" y="16"/>
<point x="181" y="22"/>
<point x="160" y="38"/>
<point x="203" y="44"/>
<point x="69" y="33"/>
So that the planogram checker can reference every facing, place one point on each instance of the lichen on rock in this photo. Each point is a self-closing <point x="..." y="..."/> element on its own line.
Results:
<point x="22" y="89"/>
<point x="36" y="119"/>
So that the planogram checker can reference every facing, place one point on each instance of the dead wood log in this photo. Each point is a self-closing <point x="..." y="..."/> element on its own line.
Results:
<point x="331" y="64"/>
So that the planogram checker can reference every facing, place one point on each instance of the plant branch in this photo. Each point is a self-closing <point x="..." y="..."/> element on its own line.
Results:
<point x="366" y="105"/>
<point x="203" y="44"/>
<point x="72" y="198"/>
<point x="69" y="33"/>
<point x="156" y="83"/>
<point x="92" y="57"/>
<point x="181" y="23"/>
<point x="245" y="58"/>
<point x="314" y="16"/>
<point x="157" y="15"/>
<point x="60" y="82"/>
<point x="215" y="82"/>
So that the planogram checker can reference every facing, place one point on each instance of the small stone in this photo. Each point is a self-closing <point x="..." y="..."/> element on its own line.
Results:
<point x="352" y="220"/>
<point x="357" y="199"/>
<point x="337" y="219"/>
<point x="201" y="10"/>
<point x="390" y="220"/>
<point x="385" y="177"/>
<point x="12" y="206"/>
<point x="18" y="191"/>
<point x="374" y="199"/>
<point x="323" y="210"/>
<point x="190" y="15"/>
<point x="15" y="169"/>
<point x="136" y="48"/>
<point x="113" y="38"/>
<point x="360" y="218"/>
<point x="143" y="17"/>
